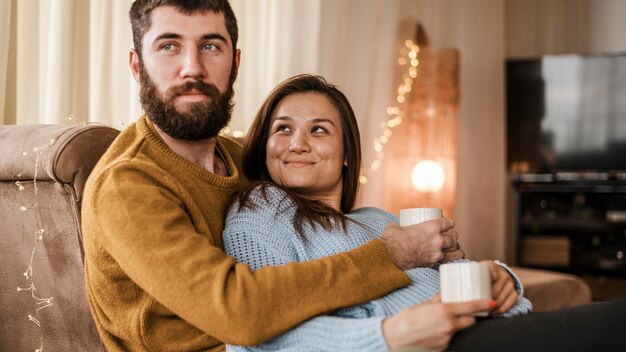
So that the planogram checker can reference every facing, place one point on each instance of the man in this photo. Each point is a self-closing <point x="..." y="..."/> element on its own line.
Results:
<point x="156" y="275"/>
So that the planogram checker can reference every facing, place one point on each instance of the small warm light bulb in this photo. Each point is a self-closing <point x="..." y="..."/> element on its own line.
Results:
<point x="428" y="176"/>
<point x="430" y="111"/>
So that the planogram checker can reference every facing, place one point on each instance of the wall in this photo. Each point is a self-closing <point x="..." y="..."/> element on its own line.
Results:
<point x="539" y="27"/>
<point x="476" y="29"/>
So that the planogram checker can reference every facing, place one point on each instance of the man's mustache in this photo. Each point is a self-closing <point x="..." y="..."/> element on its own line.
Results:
<point x="207" y="89"/>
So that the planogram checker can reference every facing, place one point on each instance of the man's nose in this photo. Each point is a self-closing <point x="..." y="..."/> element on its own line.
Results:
<point x="192" y="65"/>
<point x="299" y="143"/>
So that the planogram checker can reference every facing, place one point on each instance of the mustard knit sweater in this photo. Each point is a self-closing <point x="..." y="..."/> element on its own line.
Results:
<point x="156" y="275"/>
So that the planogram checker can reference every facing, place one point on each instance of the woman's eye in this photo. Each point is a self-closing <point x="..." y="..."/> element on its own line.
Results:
<point x="318" y="129"/>
<point x="283" y="128"/>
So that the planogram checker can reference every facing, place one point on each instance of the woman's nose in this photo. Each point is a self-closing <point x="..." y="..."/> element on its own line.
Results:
<point x="299" y="143"/>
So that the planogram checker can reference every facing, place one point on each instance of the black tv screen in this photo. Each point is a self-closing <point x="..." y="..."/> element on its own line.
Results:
<point x="566" y="113"/>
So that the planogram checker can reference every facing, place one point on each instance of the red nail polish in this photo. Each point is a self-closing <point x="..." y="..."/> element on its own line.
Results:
<point x="493" y="304"/>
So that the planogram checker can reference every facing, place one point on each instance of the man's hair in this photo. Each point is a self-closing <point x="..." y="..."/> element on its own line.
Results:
<point x="254" y="152"/>
<point x="140" y="20"/>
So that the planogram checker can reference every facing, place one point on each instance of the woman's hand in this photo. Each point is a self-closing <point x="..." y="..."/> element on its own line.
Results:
<point x="502" y="287"/>
<point x="431" y="324"/>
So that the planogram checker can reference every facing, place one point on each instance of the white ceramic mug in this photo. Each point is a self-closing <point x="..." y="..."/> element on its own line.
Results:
<point x="414" y="216"/>
<point x="465" y="281"/>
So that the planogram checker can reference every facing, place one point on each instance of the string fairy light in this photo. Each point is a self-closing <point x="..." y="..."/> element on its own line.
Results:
<point x="34" y="156"/>
<point x="226" y="131"/>
<point x="395" y="112"/>
<point x="38" y="233"/>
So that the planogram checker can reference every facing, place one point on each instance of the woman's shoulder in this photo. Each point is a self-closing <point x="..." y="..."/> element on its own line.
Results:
<point x="269" y="194"/>
<point x="262" y="199"/>
<point x="372" y="214"/>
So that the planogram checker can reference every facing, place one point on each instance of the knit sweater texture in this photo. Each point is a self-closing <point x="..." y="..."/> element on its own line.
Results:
<point x="157" y="277"/>
<point x="265" y="236"/>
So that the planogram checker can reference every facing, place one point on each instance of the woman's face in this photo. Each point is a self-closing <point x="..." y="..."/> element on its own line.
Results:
<point x="305" y="146"/>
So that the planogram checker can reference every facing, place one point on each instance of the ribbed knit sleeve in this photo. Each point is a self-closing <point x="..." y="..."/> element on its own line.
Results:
<point x="326" y="334"/>
<point x="522" y="305"/>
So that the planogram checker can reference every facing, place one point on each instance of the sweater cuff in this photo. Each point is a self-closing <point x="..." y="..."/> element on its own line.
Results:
<point x="379" y="274"/>
<point x="519" y="288"/>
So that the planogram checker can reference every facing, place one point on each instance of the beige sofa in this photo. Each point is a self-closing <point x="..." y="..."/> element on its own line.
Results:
<point x="56" y="315"/>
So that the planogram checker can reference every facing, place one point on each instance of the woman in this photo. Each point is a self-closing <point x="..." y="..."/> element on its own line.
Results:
<point x="304" y="151"/>
<point x="303" y="156"/>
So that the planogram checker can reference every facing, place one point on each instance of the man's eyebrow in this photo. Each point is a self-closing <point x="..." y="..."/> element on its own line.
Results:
<point x="170" y="35"/>
<point x="214" y="36"/>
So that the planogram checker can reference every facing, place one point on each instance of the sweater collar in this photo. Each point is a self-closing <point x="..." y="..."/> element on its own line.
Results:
<point x="146" y="128"/>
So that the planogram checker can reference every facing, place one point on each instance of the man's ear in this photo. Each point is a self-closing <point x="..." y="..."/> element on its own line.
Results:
<point x="133" y="59"/>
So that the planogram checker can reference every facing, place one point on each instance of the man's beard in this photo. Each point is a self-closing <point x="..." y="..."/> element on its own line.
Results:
<point x="201" y="120"/>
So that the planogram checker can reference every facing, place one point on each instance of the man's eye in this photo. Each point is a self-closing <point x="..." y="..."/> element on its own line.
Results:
<point x="167" y="47"/>
<point x="209" y="47"/>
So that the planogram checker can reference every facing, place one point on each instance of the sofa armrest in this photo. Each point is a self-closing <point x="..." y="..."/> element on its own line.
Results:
<point x="549" y="290"/>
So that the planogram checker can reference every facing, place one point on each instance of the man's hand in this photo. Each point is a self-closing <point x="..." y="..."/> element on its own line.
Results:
<point x="502" y="287"/>
<point x="422" y="245"/>
<point x="453" y="251"/>
<point x="431" y="324"/>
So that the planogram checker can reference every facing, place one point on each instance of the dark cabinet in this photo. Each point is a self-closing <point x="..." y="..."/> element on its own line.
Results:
<point x="577" y="227"/>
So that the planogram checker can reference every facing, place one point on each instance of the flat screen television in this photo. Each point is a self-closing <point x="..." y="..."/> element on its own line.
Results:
<point x="566" y="113"/>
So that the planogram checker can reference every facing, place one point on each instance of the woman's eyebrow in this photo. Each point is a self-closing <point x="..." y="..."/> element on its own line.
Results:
<point x="319" y="120"/>
<point x="314" y="120"/>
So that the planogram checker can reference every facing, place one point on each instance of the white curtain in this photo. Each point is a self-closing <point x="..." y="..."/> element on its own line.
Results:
<point x="62" y="58"/>
<point x="66" y="59"/>
<point x="277" y="41"/>
<point x="5" y="35"/>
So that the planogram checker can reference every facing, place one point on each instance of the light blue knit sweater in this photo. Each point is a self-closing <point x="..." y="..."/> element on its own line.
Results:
<point x="266" y="236"/>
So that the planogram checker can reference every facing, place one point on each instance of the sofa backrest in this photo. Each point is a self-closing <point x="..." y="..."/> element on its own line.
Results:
<point x="43" y="303"/>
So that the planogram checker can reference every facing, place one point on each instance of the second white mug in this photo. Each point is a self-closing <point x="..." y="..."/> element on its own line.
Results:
<point x="465" y="281"/>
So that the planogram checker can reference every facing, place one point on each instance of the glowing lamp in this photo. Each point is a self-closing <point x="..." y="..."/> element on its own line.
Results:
<point x="428" y="176"/>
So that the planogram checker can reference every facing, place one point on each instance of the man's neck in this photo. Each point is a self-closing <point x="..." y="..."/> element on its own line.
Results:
<point x="202" y="152"/>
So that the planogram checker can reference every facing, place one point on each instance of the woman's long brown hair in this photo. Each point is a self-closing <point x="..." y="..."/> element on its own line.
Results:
<point x="254" y="151"/>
